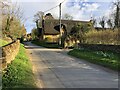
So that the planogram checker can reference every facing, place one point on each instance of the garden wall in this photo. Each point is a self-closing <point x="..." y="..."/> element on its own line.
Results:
<point x="101" y="47"/>
<point x="9" y="53"/>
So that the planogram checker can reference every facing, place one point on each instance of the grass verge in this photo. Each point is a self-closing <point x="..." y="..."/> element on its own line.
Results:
<point x="19" y="72"/>
<point x="44" y="44"/>
<point x="106" y="59"/>
<point x="3" y="42"/>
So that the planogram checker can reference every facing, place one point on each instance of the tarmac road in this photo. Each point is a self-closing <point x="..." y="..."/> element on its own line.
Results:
<point x="53" y="68"/>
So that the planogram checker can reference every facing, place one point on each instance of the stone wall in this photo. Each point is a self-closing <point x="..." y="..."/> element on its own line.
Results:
<point x="9" y="53"/>
<point x="101" y="47"/>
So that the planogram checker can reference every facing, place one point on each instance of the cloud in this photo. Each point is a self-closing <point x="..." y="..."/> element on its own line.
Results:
<point x="91" y="7"/>
<point x="31" y="7"/>
<point x="79" y="9"/>
<point x="42" y="1"/>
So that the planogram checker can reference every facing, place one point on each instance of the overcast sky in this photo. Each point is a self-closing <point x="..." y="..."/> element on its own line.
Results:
<point x="78" y="9"/>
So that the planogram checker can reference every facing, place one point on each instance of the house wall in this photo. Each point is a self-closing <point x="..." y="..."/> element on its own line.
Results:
<point x="51" y="38"/>
<point x="49" y="28"/>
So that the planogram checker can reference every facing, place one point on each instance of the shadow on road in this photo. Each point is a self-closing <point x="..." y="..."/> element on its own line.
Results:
<point x="32" y="47"/>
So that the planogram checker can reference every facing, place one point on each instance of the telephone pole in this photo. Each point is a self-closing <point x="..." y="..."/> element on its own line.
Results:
<point x="60" y="41"/>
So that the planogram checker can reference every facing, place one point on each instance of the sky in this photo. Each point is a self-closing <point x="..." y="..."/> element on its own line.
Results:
<point x="81" y="10"/>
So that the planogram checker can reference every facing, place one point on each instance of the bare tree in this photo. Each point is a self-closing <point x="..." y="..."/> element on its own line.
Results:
<point x="110" y="23"/>
<point x="11" y="22"/>
<point x="67" y="17"/>
<point x="94" y="21"/>
<point x="117" y="14"/>
<point x="38" y="17"/>
<point x="17" y="11"/>
<point x="102" y="22"/>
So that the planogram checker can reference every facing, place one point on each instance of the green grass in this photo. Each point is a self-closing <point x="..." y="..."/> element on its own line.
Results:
<point x="19" y="72"/>
<point x="3" y="42"/>
<point x="44" y="44"/>
<point x="107" y="59"/>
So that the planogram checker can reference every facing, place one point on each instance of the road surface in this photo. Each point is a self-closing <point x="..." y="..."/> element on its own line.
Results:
<point x="53" y="68"/>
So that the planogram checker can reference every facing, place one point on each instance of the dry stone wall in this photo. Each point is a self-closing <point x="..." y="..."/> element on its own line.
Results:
<point x="101" y="47"/>
<point x="9" y="53"/>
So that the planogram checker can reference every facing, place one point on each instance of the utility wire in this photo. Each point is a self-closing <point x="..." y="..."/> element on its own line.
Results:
<point x="54" y="7"/>
<point x="63" y="2"/>
<point x="51" y="8"/>
<point x="48" y="9"/>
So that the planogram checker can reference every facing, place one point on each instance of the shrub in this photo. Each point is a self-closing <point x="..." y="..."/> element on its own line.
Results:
<point x="103" y="37"/>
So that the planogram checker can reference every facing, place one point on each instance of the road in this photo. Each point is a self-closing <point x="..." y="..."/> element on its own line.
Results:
<point x="53" y="68"/>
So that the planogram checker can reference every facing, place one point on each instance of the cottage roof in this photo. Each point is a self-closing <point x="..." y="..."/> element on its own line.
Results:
<point x="51" y="25"/>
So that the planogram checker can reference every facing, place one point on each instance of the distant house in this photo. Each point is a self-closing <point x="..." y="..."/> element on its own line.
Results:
<point x="100" y="28"/>
<point x="51" y="27"/>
